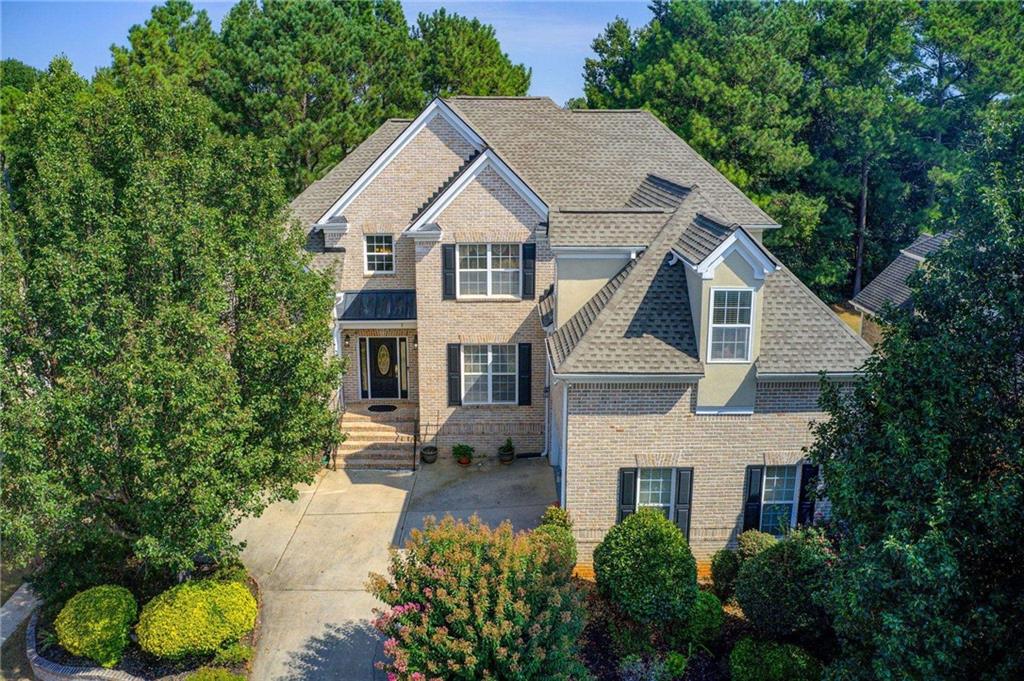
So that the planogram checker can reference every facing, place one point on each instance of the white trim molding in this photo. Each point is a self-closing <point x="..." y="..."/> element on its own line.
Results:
<point x="724" y="411"/>
<point x="626" y="378"/>
<point x="749" y="326"/>
<point x="434" y="109"/>
<point x="746" y="247"/>
<point x="596" y="252"/>
<point x="487" y="159"/>
<point x="808" y="377"/>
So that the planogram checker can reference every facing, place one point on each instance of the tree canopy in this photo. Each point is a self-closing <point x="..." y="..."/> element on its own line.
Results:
<point x="924" y="461"/>
<point x="838" y="118"/>
<point x="164" y="342"/>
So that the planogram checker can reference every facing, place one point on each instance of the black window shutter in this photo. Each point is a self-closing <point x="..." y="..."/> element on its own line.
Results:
<point x="808" y="484"/>
<point x="684" y="497"/>
<point x="627" y="492"/>
<point x="752" y="498"/>
<point x="529" y="271"/>
<point x="454" y="375"/>
<point x="448" y="272"/>
<point x="525" y="366"/>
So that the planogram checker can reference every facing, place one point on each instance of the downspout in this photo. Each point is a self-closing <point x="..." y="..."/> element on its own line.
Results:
<point x="565" y="441"/>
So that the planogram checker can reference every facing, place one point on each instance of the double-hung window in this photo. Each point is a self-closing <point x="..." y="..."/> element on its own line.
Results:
<point x="380" y="253"/>
<point x="489" y="270"/>
<point x="779" y="499"/>
<point x="489" y="374"/>
<point x="668" y="491"/>
<point x="731" y="313"/>
<point x="654" y="489"/>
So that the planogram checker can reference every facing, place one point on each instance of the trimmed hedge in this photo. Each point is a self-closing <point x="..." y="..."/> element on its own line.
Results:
<point x="753" y="542"/>
<point x="214" y="674"/>
<point x="725" y="565"/>
<point x="555" y="515"/>
<point x="96" y="624"/>
<point x="754" y="660"/>
<point x="196" y="618"/>
<point x="561" y="541"/>
<point x="782" y="589"/>
<point x="706" y="619"/>
<point x="644" y="566"/>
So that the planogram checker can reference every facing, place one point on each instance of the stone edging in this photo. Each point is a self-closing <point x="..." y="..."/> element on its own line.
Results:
<point x="48" y="670"/>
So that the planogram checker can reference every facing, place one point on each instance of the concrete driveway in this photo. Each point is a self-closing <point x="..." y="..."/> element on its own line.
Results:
<point x="313" y="557"/>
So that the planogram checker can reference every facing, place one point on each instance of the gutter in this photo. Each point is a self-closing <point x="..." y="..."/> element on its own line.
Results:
<point x="808" y="376"/>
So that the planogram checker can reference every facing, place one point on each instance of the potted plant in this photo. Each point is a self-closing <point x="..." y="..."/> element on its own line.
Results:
<point x="506" y="452"/>
<point x="463" y="454"/>
<point x="428" y="454"/>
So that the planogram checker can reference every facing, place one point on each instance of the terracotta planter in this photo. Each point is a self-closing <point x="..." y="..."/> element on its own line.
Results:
<point x="464" y="462"/>
<point x="428" y="454"/>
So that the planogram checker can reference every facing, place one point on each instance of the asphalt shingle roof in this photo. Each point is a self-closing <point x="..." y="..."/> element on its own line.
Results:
<point x="617" y="227"/>
<point x="890" y="286"/>
<point x="801" y="335"/>
<point x="654" y="192"/>
<point x="701" y="237"/>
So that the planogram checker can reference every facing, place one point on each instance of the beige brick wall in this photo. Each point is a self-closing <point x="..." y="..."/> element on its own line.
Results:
<point x="652" y="425"/>
<point x="488" y="210"/>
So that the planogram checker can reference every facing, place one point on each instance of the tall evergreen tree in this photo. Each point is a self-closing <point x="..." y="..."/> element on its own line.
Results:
<point x="924" y="461"/>
<point x="163" y="338"/>
<point x="461" y="56"/>
<point x="314" y="78"/>
<point x="176" y="42"/>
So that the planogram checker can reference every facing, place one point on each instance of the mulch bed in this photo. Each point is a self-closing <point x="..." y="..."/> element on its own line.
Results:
<point x="136" y="661"/>
<point x="596" y="647"/>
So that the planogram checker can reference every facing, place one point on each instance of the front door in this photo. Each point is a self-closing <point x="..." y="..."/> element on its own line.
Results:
<point x="383" y="361"/>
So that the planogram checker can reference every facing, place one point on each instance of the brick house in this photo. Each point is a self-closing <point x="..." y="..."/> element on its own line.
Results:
<point x="583" y="283"/>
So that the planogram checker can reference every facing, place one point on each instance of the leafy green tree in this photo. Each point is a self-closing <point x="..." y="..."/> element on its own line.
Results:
<point x="461" y="56"/>
<point x="924" y="461"/>
<point x="164" y="366"/>
<point x="176" y="42"/>
<point x="16" y="79"/>
<point x="314" y="78"/>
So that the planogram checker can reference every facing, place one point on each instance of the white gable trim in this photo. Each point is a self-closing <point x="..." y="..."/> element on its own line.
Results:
<point x="487" y="159"/>
<point x="434" y="109"/>
<point x="741" y="243"/>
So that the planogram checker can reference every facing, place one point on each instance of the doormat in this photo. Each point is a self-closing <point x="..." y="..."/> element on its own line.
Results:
<point x="383" y="407"/>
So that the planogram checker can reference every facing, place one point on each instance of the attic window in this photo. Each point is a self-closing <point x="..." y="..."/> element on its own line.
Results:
<point x="730" y="325"/>
<point x="380" y="254"/>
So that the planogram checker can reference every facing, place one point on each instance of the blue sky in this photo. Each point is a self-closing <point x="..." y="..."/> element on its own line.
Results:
<point x="551" y="37"/>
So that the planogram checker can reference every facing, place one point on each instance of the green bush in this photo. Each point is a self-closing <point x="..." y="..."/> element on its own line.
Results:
<point x="705" y="620"/>
<point x="644" y="566"/>
<point x="782" y="589"/>
<point x="637" y="668"/>
<point x="754" y="660"/>
<point x="467" y="602"/>
<point x="214" y="674"/>
<point x="196" y="618"/>
<point x="233" y="654"/>
<point x="96" y="623"/>
<point x="675" y="664"/>
<point x="463" y="451"/>
<point x="555" y="515"/>
<point x="725" y="565"/>
<point x="753" y="542"/>
<point x="562" y="542"/>
<point x="232" y="572"/>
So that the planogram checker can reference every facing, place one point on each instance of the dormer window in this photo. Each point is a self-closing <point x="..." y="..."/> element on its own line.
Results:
<point x="731" y="313"/>
<point x="380" y="254"/>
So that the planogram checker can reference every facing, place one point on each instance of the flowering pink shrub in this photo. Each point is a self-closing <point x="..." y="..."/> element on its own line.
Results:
<point x="469" y="602"/>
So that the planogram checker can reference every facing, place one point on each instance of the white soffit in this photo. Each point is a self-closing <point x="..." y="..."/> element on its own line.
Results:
<point x="487" y="159"/>
<point x="434" y="109"/>
<point x="746" y="247"/>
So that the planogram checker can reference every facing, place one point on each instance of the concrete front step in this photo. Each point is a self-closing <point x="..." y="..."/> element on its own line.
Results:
<point x="377" y="464"/>
<point x="377" y="436"/>
<point x="346" y="448"/>
<point x="384" y="417"/>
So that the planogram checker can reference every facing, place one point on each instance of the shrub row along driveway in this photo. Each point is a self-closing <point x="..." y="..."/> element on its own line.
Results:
<point x="312" y="557"/>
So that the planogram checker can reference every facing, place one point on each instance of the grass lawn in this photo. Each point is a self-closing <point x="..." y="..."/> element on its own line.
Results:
<point x="13" y="663"/>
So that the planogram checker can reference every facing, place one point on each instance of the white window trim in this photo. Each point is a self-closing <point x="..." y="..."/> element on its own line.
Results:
<point x="712" y="325"/>
<point x="490" y="270"/>
<point x="366" y="255"/>
<point x="490" y="374"/>
<point x="672" y="498"/>
<point x="796" y="496"/>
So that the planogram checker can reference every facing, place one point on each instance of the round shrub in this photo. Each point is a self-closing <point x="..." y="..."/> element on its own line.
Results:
<point x="753" y="542"/>
<point x="561" y="541"/>
<point x="96" y="624"/>
<point x="555" y="515"/>
<point x="705" y="619"/>
<point x="725" y="565"/>
<point x="196" y="618"/>
<point x="214" y="674"/>
<point x="781" y="590"/>
<point x="644" y="566"/>
<point x="754" y="660"/>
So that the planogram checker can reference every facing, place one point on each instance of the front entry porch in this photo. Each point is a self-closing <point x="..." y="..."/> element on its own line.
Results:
<point x="377" y="437"/>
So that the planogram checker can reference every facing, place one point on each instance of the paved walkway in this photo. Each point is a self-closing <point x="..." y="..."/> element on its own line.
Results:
<point x="313" y="557"/>
<point x="16" y="610"/>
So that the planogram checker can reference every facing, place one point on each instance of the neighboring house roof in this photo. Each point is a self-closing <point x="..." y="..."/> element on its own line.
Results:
<point x="801" y="335"/>
<point x="378" y="305"/>
<point x="890" y="286"/>
<point x="640" y="322"/>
